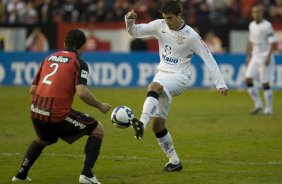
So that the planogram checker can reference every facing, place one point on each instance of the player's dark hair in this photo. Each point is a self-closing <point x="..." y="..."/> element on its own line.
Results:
<point x="173" y="7"/>
<point x="75" y="39"/>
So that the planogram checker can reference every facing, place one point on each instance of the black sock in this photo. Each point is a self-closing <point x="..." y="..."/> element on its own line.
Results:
<point x="92" y="149"/>
<point x="32" y="153"/>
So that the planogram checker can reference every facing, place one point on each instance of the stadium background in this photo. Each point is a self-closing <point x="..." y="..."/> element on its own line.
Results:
<point x="227" y="19"/>
<point x="216" y="138"/>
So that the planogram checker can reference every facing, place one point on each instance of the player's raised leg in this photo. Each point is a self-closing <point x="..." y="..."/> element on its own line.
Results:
<point x="149" y="108"/>
<point x="165" y="142"/>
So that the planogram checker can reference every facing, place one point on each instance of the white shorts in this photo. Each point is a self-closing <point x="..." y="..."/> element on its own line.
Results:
<point x="173" y="85"/>
<point x="257" y="70"/>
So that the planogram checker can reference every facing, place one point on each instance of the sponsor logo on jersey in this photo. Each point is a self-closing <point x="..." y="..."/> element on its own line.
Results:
<point x="59" y="59"/>
<point x="270" y="35"/>
<point x="84" y="74"/>
<point x="167" y="50"/>
<point x="39" y="111"/>
<point x="169" y="60"/>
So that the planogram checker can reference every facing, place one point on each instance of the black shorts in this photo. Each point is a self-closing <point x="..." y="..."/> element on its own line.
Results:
<point x="75" y="125"/>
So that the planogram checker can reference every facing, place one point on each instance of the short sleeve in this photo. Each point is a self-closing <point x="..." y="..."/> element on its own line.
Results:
<point x="270" y="34"/>
<point x="83" y="73"/>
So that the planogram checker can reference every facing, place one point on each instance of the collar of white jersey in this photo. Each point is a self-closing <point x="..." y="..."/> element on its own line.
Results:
<point x="181" y="27"/>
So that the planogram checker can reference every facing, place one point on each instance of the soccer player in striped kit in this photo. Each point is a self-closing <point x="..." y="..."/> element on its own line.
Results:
<point x="60" y="76"/>
<point x="177" y="44"/>
<point x="260" y="60"/>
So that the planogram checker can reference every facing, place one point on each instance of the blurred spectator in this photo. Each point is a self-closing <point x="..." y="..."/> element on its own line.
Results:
<point x="153" y="9"/>
<point x="195" y="11"/>
<point x="87" y="10"/>
<point x="37" y="41"/>
<point x="100" y="12"/>
<point x="217" y="14"/>
<point x="13" y="9"/>
<point x="141" y="9"/>
<point x="138" y="44"/>
<point x="213" y="42"/>
<point x="233" y="11"/>
<point x="70" y="11"/>
<point x="245" y="7"/>
<point x="44" y="11"/>
<point x="57" y="11"/>
<point x="2" y="44"/>
<point x="2" y="12"/>
<point x="119" y="9"/>
<point x="202" y="12"/>
<point x="92" y="42"/>
<point x="275" y="12"/>
<point x="28" y="14"/>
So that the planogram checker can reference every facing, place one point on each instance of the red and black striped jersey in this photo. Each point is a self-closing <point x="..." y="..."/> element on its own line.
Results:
<point x="56" y="79"/>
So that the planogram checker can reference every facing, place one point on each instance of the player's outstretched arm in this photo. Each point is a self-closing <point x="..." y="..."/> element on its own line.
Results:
<point x="86" y="96"/>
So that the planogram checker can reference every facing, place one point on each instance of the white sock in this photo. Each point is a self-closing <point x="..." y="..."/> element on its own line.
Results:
<point x="166" y="145"/>
<point x="268" y="97"/>
<point x="149" y="109"/>
<point x="254" y="93"/>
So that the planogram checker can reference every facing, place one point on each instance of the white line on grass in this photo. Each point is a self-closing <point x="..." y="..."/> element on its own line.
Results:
<point x="125" y="158"/>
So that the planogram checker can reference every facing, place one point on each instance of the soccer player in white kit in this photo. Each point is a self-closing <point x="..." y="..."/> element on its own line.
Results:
<point x="260" y="60"/>
<point x="177" y="43"/>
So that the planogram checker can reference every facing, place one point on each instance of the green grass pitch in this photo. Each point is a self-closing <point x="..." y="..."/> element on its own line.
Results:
<point x="216" y="138"/>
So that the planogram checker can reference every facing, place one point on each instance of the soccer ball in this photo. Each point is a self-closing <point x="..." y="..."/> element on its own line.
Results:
<point x="122" y="117"/>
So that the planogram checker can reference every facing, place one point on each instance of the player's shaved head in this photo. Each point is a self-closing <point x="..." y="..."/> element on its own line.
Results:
<point x="75" y="39"/>
<point x="257" y="8"/>
<point x="257" y="12"/>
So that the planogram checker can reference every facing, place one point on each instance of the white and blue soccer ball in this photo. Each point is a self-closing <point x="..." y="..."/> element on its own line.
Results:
<point x="122" y="116"/>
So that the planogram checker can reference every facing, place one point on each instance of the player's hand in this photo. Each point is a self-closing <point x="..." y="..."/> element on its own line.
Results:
<point x="267" y="61"/>
<point x="131" y="15"/>
<point x="104" y="107"/>
<point x="247" y="62"/>
<point x="223" y="91"/>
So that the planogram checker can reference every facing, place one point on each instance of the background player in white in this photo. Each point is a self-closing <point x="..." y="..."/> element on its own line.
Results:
<point x="177" y="43"/>
<point x="260" y="60"/>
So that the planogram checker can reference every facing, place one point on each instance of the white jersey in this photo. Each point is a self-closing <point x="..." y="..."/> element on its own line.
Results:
<point x="261" y="35"/>
<point x="176" y="48"/>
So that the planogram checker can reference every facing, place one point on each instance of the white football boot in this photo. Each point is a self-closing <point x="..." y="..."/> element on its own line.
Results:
<point x="86" y="180"/>
<point x="267" y="111"/>
<point x="15" y="179"/>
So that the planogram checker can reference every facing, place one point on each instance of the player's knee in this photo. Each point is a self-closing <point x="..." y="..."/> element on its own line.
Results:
<point x="98" y="131"/>
<point x="46" y="142"/>
<point x="158" y="124"/>
<point x="156" y="87"/>
<point x="266" y="86"/>
<point x="249" y="82"/>
<point x="156" y="128"/>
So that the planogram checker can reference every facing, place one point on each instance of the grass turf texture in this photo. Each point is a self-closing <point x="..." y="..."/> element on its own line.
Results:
<point x="216" y="138"/>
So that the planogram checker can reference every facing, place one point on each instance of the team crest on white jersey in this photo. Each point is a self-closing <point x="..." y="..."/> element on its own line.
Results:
<point x="180" y="39"/>
<point x="167" y="50"/>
